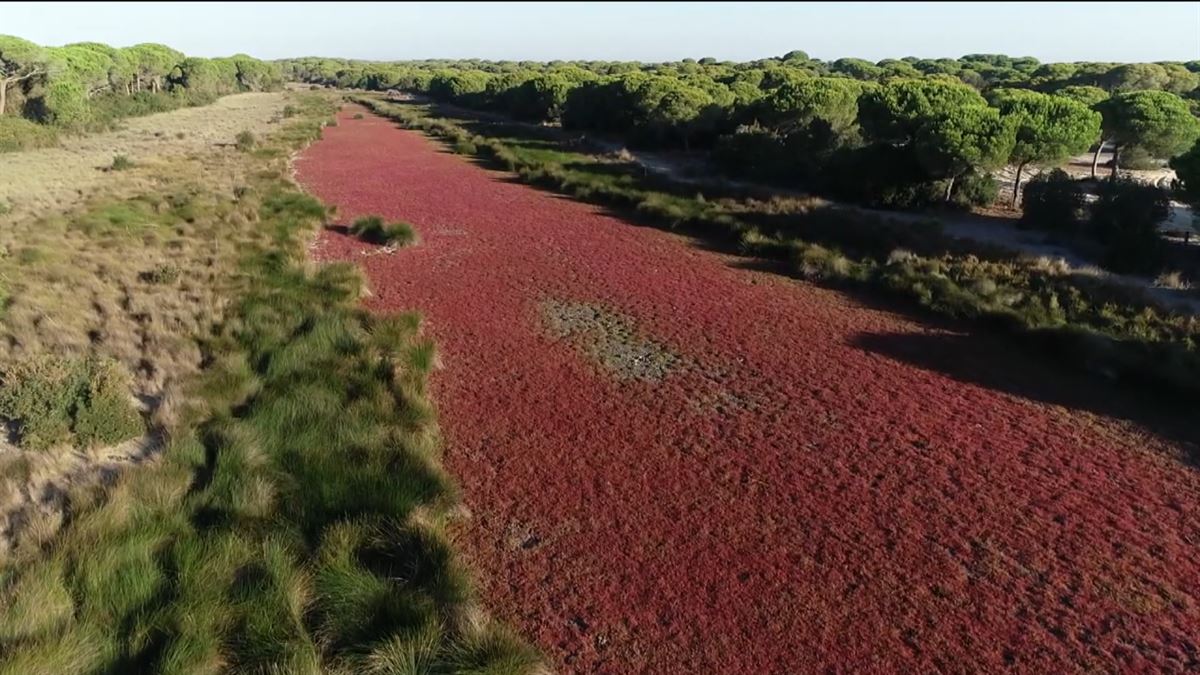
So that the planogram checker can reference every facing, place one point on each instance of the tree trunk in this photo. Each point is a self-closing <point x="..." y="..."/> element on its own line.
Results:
<point x="1017" y="184"/>
<point x="1096" y="158"/>
<point x="1116" y="158"/>
<point x="3" y="95"/>
<point x="138" y="77"/>
<point x="950" y="188"/>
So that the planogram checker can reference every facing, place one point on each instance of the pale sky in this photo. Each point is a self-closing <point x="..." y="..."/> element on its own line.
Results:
<point x="1091" y="31"/>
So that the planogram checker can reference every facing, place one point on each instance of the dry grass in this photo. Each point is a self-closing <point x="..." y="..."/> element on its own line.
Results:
<point x="131" y="265"/>
<point x="55" y="179"/>
<point x="1173" y="280"/>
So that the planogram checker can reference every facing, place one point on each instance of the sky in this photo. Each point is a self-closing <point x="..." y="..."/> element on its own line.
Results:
<point x="1091" y="31"/>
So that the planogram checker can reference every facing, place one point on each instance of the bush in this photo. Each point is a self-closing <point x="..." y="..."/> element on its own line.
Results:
<point x="358" y="116"/>
<point x="754" y="153"/>
<point x="1137" y="158"/>
<point x="975" y="189"/>
<point x="1053" y="201"/>
<point x="372" y="229"/>
<point x="55" y="401"/>
<point x="17" y="133"/>
<point x="245" y="141"/>
<point x="121" y="163"/>
<point x="1125" y="218"/>
<point x="104" y="414"/>
<point x="290" y="110"/>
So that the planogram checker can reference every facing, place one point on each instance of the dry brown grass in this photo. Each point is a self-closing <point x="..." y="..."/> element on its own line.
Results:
<point x="57" y="178"/>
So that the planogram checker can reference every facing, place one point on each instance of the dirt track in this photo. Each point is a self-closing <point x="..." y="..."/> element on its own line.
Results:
<point x="678" y="465"/>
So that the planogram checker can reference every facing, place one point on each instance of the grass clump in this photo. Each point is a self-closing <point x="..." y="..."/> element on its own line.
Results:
<point x="245" y="141"/>
<point x="373" y="229"/>
<point x="164" y="274"/>
<point x="358" y="116"/>
<point x="54" y="401"/>
<point x="290" y="111"/>
<point x="121" y="163"/>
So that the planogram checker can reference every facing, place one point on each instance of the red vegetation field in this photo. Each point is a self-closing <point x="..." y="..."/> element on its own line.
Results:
<point x="814" y="484"/>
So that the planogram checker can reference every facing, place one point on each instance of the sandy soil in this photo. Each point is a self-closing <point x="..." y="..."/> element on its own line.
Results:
<point x="56" y="178"/>
<point x="801" y="483"/>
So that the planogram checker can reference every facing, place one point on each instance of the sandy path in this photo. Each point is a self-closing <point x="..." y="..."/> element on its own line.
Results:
<point x="676" y="465"/>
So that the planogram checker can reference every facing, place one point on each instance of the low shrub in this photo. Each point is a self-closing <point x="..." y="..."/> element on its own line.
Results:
<point x="1053" y="201"/>
<point x="373" y="229"/>
<point x="162" y="274"/>
<point x="1125" y="219"/>
<point x="245" y="141"/>
<point x="105" y="414"/>
<point x="290" y="110"/>
<point x="975" y="189"/>
<point x="121" y="163"/>
<point x="358" y="116"/>
<point x="55" y="401"/>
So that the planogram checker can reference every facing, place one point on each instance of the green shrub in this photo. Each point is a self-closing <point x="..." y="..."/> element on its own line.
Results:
<point x="55" y="401"/>
<point x="372" y="229"/>
<point x="290" y="110"/>
<point x="1125" y="218"/>
<point x="39" y="394"/>
<point x="358" y="116"/>
<point x="1053" y="201"/>
<point x="245" y="141"/>
<point x="121" y="163"/>
<point x="18" y="133"/>
<point x="5" y="207"/>
<point x="104" y="414"/>
<point x="975" y="189"/>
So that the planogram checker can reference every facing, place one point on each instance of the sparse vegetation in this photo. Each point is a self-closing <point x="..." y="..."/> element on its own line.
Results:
<point x="121" y="163"/>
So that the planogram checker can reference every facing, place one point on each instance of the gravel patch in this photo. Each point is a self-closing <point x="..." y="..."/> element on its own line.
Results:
<point x="611" y="339"/>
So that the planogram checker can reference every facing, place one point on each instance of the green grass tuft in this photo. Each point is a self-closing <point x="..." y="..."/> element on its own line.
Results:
<point x="372" y="229"/>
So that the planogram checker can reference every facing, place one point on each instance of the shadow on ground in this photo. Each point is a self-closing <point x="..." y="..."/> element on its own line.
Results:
<point x="993" y="363"/>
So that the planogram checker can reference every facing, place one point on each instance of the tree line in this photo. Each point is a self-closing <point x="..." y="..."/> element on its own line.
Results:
<point x="899" y="133"/>
<point x="88" y="82"/>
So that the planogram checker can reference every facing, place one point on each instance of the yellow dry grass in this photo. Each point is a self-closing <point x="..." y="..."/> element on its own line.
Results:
<point x="57" y="178"/>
